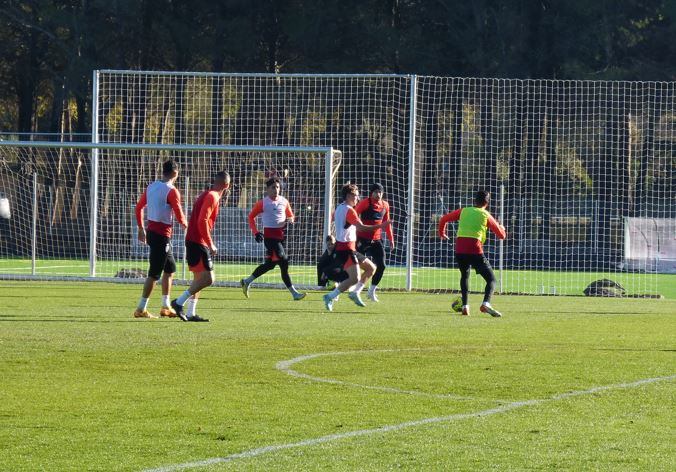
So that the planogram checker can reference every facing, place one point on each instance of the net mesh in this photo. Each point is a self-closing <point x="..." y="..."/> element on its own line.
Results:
<point x="63" y="226"/>
<point x="567" y="162"/>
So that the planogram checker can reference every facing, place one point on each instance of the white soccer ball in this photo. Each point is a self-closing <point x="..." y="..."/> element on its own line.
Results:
<point x="457" y="305"/>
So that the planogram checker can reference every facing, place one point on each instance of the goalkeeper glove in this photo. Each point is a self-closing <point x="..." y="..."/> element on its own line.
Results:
<point x="259" y="237"/>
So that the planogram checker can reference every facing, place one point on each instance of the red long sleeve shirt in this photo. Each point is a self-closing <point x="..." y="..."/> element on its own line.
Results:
<point x="203" y="217"/>
<point x="466" y="245"/>
<point x="374" y="213"/>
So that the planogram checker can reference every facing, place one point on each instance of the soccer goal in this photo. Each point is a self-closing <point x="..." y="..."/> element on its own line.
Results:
<point x="70" y="206"/>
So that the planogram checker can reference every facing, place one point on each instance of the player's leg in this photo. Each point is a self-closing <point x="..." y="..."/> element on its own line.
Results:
<point x="201" y="280"/>
<point x="377" y="255"/>
<point x="464" y="267"/>
<point x="348" y="260"/>
<point x="202" y="267"/>
<point x="156" y="261"/>
<point x="191" y="305"/>
<point x="268" y="265"/>
<point x="167" y="279"/>
<point x="483" y="268"/>
<point x="283" y="263"/>
<point x="368" y="268"/>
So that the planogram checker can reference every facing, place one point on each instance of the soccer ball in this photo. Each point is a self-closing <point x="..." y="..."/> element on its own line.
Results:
<point x="457" y="305"/>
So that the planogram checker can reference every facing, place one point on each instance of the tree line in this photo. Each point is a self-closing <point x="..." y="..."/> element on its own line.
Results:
<point x="48" y="48"/>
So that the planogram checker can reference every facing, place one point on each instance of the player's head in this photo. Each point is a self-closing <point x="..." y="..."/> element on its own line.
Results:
<point x="273" y="187"/>
<point x="170" y="169"/>
<point x="376" y="191"/>
<point x="482" y="198"/>
<point x="330" y="242"/>
<point x="349" y="193"/>
<point x="221" y="181"/>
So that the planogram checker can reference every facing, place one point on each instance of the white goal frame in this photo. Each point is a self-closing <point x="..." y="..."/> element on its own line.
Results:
<point x="331" y="163"/>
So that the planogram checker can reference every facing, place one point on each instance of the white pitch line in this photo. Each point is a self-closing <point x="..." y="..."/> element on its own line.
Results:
<point x="41" y="267"/>
<point x="409" y="424"/>
<point x="285" y="366"/>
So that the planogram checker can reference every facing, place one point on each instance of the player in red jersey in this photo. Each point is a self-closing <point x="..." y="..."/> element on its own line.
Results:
<point x="474" y="221"/>
<point x="199" y="247"/>
<point x="373" y="211"/>
<point x="163" y="202"/>
<point x="276" y="213"/>
<point x="347" y="224"/>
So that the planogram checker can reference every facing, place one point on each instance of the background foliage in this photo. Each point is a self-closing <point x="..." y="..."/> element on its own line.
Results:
<point x="48" y="48"/>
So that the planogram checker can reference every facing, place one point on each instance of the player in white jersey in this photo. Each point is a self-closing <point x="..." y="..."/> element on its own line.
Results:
<point x="347" y="224"/>
<point x="163" y="202"/>
<point x="276" y="213"/>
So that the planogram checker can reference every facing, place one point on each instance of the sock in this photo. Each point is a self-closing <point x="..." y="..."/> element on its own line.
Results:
<point x="183" y="298"/>
<point x="466" y="306"/>
<point x="486" y="303"/>
<point x="250" y="279"/>
<point x="191" y="307"/>
<point x="142" y="304"/>
<point x="372" y="289"/>
<point x="165" y="301"/>
<point x="334" y="293"/>
<point x="359" y="286"/>
<point x="293" y="290"/>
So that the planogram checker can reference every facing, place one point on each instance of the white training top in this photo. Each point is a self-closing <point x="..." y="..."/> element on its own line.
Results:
<point x="159" y="209"/>
<point x="274" y="212"/>
<point x="345" y="231"/>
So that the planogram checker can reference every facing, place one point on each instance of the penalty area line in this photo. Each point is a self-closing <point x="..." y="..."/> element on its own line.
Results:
<point x="400" y="426"/>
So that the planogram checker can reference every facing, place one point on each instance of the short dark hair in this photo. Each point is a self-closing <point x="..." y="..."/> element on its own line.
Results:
<point x="376" y="187"/>
<point x="482" y="197"/>
<point x="169" y="167"/>
<point x="272" y="181"/>
<point x="222" y="176"/>
<point x="347" y="189"/>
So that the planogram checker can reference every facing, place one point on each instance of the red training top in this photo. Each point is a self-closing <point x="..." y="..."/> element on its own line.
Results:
<point x="374" y="213"/>
<point x="203" y="217"/>
<point x="465" y="245"/>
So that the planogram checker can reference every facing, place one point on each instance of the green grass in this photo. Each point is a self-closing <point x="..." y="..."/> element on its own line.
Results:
<point x="513" y="281"/>
<point x="86" y="387"/>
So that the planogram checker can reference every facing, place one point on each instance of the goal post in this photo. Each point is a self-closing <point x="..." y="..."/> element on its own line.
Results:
<point x="54" y="236"/>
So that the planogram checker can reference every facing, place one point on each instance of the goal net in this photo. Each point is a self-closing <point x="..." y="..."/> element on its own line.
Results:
<point x="53" y="231"/>
<point x="566" y="161"/>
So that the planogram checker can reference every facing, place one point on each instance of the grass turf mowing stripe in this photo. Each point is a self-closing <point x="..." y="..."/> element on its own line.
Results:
<point x="409" y="424"/>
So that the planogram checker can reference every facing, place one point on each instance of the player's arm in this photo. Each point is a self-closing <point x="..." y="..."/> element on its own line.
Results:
<point x="290" y="217"/>
<point x="210" y="203"/>
<point x="255" y="211"/>
<point x="388" y="230"/>
<point x="140" y="205"/>
<point x="447" y="218"/>
<point x="174" y="200"/>
<point x="496" y="228"/>
<point x="354" y="219"/>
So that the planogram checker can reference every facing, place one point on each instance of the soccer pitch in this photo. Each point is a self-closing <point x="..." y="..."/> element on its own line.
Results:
<point x="558" y="383"/>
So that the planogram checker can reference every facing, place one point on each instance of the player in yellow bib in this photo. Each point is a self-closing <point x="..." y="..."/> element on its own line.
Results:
<point x="473" y="224"/>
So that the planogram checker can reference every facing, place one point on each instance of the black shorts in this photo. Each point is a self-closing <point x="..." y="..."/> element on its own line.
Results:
<point x="477" y="261"/>
<point x="161" y="257"/>
<point x="373" y="249"/>
<point x="275" y="249"/>
<point x="346" y="258"/>
<point x="198" y="257"/>
<point x="335" y="270"/>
